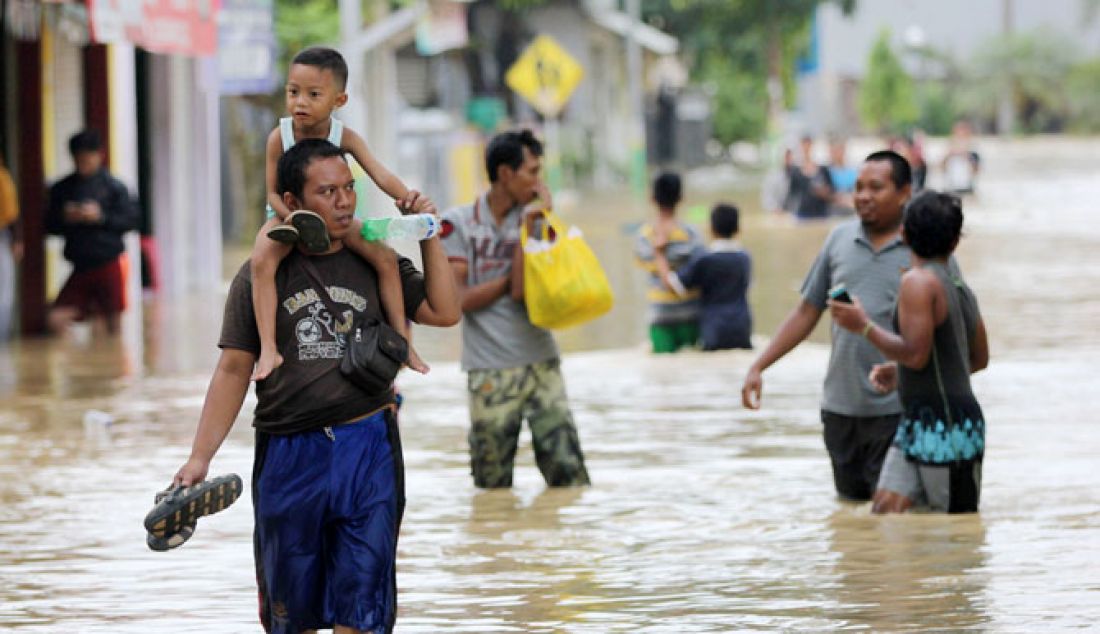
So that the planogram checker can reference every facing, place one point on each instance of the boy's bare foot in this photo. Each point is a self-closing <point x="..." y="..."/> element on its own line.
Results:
<point x="266" y="365"/>
<point x="415" y="363"/>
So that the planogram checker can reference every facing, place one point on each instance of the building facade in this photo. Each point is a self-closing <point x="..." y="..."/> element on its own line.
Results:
<point x="153" y="95"/>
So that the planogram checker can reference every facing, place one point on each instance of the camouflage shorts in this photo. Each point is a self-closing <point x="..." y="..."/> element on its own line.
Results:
<point x="499" y="401"/>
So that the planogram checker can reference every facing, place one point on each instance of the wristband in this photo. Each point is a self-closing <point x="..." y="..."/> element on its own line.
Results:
<point x="867" y="328"/>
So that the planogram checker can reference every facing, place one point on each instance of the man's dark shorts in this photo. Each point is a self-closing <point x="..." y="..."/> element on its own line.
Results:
<point x="98" y="291"/>
<point x="857" y="447"/>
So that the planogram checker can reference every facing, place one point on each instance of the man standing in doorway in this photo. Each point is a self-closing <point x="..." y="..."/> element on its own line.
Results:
<point x="92" y="210"/>
<point x="867" y="255"/>
<point x="513" y="367"/>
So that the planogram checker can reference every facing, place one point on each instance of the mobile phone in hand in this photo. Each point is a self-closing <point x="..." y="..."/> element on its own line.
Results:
<point x="839" y="293"/>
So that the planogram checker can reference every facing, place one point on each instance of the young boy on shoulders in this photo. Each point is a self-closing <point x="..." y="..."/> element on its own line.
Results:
<point x="722" y="277"/>
<point x="315" y="86"/>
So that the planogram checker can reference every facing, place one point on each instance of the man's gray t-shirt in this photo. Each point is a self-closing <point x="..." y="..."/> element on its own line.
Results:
<point x="501" y="335"/>
<point x="873" y="277"/>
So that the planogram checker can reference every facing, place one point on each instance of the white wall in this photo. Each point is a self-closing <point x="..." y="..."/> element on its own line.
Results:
<point x="185" y="181"/>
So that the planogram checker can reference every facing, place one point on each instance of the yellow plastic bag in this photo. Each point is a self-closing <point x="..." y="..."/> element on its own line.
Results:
<point x="564" y="284"/>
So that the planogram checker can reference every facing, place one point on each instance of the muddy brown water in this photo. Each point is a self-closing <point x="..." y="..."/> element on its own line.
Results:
<point x="703" y="517"/>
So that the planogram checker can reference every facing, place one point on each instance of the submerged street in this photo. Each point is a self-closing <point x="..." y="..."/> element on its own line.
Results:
<point x="702" y="517"/>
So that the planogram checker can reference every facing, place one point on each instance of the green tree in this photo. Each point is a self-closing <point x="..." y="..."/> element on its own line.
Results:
<point x="886" y="96"/>
<point x="738" y="100"/>
<point x="519" y="5"/>
<point x="302" y="23"/>
<point x="1083" y="87"/>
<point x="744" y="51"/>
<point x="939" y="111"/>
<point x="1033" y="67"/>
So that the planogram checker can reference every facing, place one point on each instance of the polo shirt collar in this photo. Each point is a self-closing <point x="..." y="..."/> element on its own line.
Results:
<point x="484" y="215"/>
<point x="863" y="238"/>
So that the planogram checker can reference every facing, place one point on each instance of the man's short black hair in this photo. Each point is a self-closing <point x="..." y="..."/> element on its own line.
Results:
<point x="933" y="223"/>
<point x="725" y="220"/>
<point x="667" y="189"/>
<point x="87" y="140"/>
<point x="290" y="173"/>
<point x="324" y="58"/>
<point x="900" y="172"/>
<point x="506" y="148"/>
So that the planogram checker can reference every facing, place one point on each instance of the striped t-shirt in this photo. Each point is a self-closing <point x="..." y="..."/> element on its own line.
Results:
<point x="665" y="306"/>
<point x="500" y="335"/>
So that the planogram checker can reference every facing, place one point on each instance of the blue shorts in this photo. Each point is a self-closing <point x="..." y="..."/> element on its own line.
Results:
<point x="328" y="507"/>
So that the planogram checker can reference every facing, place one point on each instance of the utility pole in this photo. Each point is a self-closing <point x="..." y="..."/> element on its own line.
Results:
<point x="351" y="19"/>
<point x="637" y="100"/>
<point x="1006" y="109"/>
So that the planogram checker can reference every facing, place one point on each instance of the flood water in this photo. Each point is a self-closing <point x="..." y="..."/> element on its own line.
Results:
<point x="703" y="517"/>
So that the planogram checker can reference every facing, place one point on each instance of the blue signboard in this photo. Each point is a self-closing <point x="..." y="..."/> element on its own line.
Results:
<point x="246" y="47"/>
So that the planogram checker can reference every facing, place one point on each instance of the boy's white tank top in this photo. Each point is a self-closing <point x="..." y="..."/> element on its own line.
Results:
<point x="286" y="131"/>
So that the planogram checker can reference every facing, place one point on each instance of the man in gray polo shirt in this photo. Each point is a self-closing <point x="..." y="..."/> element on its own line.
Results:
<point x="867" y="255"/>
<point x="513" y="367"/>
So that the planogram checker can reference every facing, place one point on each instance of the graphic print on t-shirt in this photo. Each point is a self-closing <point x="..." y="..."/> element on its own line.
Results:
<point x="492" y="258"/>
<point x="319" y="335"/>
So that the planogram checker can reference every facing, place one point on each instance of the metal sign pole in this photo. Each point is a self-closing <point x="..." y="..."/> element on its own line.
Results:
<point x="553" y="153"/>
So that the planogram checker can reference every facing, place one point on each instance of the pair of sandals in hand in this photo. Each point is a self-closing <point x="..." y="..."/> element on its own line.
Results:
<point x="305" y="227"/>
<point x="177" y="509"/>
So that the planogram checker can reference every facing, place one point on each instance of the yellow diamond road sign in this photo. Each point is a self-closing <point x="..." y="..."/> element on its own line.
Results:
<point x="545" y="75"/>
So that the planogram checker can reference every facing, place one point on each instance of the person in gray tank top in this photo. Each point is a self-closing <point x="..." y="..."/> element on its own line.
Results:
<point x="940" y="339"/>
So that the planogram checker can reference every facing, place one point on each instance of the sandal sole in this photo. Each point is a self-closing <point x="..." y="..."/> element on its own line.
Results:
<point x="162" y="544"/>
<point x="183" y="507"/>
<point x="284" y="234"/>
<point x="312" y="231"/>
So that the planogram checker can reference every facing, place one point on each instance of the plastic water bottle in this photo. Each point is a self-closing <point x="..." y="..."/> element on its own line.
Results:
<point x="415" y="226"/>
